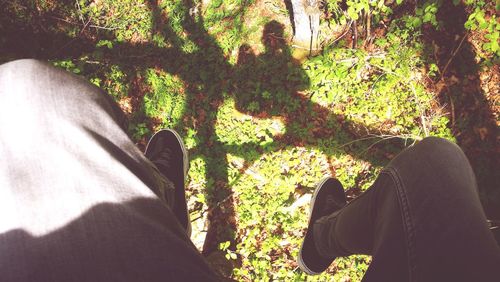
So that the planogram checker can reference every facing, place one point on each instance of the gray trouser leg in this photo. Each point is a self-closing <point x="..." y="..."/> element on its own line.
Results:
<point x="78" y="201"/>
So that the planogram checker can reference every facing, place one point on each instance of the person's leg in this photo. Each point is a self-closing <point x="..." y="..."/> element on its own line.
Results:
<point x="75" y="193"/>
<point x="421" y="221"/>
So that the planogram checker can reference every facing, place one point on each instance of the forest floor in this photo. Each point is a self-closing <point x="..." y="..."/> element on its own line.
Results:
<point x="263" y="128"/>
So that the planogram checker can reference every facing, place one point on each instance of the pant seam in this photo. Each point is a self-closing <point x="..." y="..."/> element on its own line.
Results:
<point x="408" y="225"/>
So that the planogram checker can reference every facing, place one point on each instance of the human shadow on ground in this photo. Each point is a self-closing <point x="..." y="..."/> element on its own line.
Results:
<point x="271" y="84"/>
<point x="208" y="77"/>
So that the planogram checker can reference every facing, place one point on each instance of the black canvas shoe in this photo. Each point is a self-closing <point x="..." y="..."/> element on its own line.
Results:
<point x="167" y="151"/>
<point x="328" y="197"/>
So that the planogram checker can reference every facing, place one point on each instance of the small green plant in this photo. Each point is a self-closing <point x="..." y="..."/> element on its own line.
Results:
<point x="356" y="9"/>
<point x="483" y="20"/>
<point x="428" y="12"/>
<point x="166" y="100"/>
<point x="116" y="82"/>
<point x="127" y="19"/>
<point x="139" y="130"/>
<point x="68" y="65"/>
<point x="225" y="248"/>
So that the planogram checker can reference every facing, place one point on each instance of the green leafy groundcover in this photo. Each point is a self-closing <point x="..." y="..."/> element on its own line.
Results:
<point x="261" y="128"/>
<point x="262" y="96"/>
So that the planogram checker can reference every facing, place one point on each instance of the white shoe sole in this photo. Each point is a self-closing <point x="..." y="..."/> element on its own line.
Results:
<point x="301" y="263"/>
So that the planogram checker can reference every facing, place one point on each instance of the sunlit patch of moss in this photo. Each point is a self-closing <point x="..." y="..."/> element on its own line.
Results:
<point x="166" y="99"/>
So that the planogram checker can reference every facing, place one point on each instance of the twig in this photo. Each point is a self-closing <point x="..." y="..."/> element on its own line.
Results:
<point x="368" y="28"/>
<point x="65" y="45"/>
<point x="422" y="116"/>
<point x="375" y="143"/>
<point x="103" y="27"/>
<point x="311" y="29"/>
<point x="357" y="140"/>
<point x="368" y="24"/>
<point x="74" y="39"/>
<point x="271" y="34"/>
<point x="387" y="137"/>
<point x="375" y="83"/>
<point x="383" y="136"/>
<point x="452" y="105"/>
<point x="355" y="35"/>
<point x="442" y="73"/>
<point x="345" y="30"/>
<point x="85" y="26"/>
<point x="452" y="56"/>
<point x="356" y="60"/>
<point x="217" y="205"/>
<point x="90" y="25"/>
<point x="64" y="20"/>
<point x="80" y="14"/>
<point x="94" y="62"/>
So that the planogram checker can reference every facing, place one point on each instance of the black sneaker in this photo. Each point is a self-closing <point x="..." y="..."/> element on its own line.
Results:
<point x="167" y="151"/>
<point x="328" y="197"/>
